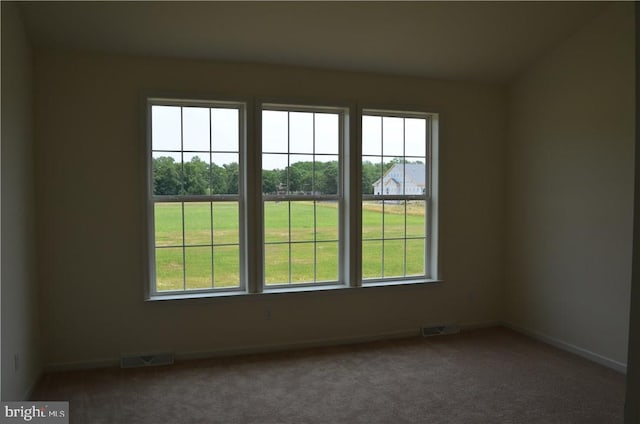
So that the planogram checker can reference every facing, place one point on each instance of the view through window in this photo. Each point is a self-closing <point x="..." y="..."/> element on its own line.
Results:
<point x="395" y="196"/>
<point x="195" y="175"/>
<point x="204" y="240"/>
<point x="301" y="192"/>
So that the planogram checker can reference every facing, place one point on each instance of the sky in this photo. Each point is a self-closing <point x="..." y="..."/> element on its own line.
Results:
<point x="287" y="137"/>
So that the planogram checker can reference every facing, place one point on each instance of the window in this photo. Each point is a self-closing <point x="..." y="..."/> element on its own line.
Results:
<point x="396" y="196"/>
<point x="286" y="200"/>
<point x="195" y="194"/>
<point x="301" y="186"/>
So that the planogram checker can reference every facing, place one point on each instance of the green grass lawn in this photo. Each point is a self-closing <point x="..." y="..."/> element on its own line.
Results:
<point x="305" y="251"/>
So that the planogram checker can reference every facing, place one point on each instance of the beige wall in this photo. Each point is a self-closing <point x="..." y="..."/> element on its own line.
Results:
<point x="632" y="407"/>
<point x="19" y="294"/>
<point x="570" y="191"/>
<point x="91" y="228"/>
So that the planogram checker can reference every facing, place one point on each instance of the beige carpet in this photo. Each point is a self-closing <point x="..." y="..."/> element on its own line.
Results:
<point x="485" y="376"/>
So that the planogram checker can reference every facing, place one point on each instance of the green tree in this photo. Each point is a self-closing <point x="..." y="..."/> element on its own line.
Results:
<point x="196" y="178"/>
<point x="271" y="179"/>
<point x="218" y="179"/>
<point x="327" y="177"/>
<point x="232" y="171"/>
<point x="166" y="176"/>
<point x="371" y="172"/>
<point x="295" y="178"/>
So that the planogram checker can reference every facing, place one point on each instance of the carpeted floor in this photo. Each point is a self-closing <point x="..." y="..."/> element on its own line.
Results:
<point x="492" y="376"/>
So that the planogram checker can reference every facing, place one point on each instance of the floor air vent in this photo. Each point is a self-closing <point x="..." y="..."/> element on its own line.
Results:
<point x="440" y="330"/>
<point x="146" y="360"/>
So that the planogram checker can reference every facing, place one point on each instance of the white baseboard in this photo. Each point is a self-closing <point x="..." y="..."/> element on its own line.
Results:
<point x="587" y="354"/>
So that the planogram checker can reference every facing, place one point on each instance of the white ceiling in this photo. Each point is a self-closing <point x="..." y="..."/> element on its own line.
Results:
<point x="477" y="41"/>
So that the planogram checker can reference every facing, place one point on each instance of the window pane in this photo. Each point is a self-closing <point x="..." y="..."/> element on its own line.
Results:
<point x="195" y="174"/>
<point x="168" y="224"/>
<point x="197" y="223"/>
<point x="169" y="269"/>
<point x="225" y="173"/>
<point x="393" y="219"/>
<point x="392" y="179"/>
<point x="372" y="135"/>
<point x="327" y="174"/>
<point x="300" y="174"/>
<point x="225" y="130"/>
<point x="327" y="261"/>
<point x="414" y="178"/>
<point x="372" y="175"/>
<point x="226" y="223"/>
<point x="226" y="266"/>
<point x="394" y="258"/>
<point x="327" y="133"/>
<point x="302" y="221"/>
<point x="195" y="129"/>
<point x="274" y="175"/>
<point x="372" y="259"/>
<point x="301" y="132"/>
<point x="302" y="262"/>
<point x="276" y="221"/>
<point x="415" y="257"/>
<point x="372" y="220"/>
<point x="392" y="136"/>
<point x="275" y="132"/>
<point x="167" y="173"/>
<point x="416" y="218"/>
<point x="165" y="128"/>
<point x="276" y="263"/>
<point x="415" y="137"/>
<point x="327" y="213"/>
<point x="198" y="267"/>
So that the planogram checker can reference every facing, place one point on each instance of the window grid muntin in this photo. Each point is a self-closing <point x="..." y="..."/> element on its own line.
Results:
<point x="384" y="198"/>
<point x="313" y="197"/>
<point x="210" y="198"/>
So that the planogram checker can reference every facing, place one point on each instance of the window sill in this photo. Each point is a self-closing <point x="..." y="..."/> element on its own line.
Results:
<point x="281" y="290"/>
<point x="301" y="289"/>
<point x="198" y="295"/>
<point x="399" y="282"/>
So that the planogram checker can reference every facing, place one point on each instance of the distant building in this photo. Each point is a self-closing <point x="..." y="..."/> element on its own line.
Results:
<point x="413" y="176"/>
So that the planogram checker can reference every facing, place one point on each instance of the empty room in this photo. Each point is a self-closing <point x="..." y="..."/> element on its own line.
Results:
<point x="319" y="212"/>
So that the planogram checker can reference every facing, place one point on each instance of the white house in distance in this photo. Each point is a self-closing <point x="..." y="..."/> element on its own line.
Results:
<point x="413" y="175"/>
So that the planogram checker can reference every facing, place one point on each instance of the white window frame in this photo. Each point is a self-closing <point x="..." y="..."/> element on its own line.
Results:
<point x="151" y="291"/>
<point x="251" y="201"/>
<point x="430" y="197"/>
<point x="344" y="144"/>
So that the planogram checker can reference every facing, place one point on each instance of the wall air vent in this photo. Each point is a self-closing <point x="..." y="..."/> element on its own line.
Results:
<point x="146" y="360"/>
<point x="440" y="330"/>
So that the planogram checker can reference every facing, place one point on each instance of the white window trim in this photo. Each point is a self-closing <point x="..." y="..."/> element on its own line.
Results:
<point x="151" y="292"/>
<point x="251" y="199"/>
<point x="431" y="223"/>
<point x="344" y="145"/>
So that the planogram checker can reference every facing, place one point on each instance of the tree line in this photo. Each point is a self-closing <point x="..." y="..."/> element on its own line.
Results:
<point x="197" y="177"/>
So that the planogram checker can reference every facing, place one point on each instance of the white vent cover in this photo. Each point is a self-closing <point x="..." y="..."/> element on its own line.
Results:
<point x="146" y="360"/>
<point x="440" y="330"/>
